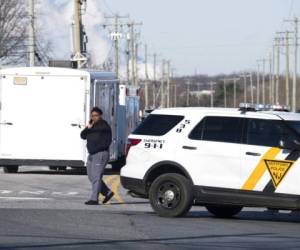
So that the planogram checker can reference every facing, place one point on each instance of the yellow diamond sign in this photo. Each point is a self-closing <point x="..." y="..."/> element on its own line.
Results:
<point x="278" y="170"/>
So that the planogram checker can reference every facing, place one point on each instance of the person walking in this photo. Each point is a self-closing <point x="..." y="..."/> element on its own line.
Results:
<point x="98" y="135"/>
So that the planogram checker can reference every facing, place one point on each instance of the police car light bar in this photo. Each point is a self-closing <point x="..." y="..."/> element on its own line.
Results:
<point x="247" y="107"/>
<point x="277" y="107"/>
<point x="263" y="107"/>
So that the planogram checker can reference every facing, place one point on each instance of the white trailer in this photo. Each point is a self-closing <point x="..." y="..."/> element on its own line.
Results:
<point x="43" y="110"/>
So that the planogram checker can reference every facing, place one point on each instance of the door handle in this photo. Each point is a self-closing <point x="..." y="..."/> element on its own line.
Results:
<point x="189" y="147"/>
<point x="76" y="125"/>
<point x="253" y="154"/>
<point x="6" y="123"/>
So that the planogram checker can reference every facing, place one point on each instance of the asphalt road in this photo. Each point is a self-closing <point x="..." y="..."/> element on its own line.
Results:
<point x="41" y="209"/>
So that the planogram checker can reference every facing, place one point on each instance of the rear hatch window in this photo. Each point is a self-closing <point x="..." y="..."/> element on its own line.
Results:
<point x="158" y="125"/>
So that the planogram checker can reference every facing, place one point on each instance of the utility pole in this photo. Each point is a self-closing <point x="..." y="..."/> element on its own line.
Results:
<point x="146" y="78"/>
<point x="162" y="92"/>
<point x="294" y="97"/>
<point x="198" y="95"/>
<point x="224" y="91"/>
<point x="251" y="88"/>
<point x="212" y="94"/>
<point x="245" y="86"/>
<point x="270" y="78"/>
<point x="79" y="36"/>
<point x="168" y="82"/>
<point x="154" y="79"/>
<point x="234" y="90"/>
<point x="31" y="33"/>
<point x="116" y="35"/>
<point x="294" y="88"/>
<point x="136" y="64"/>
<point x="287" y="71"/>
<point x="133" y="50"/>
<point x="188" y="93"/>
<point x="257" y="84"/>
<point x="277" y="77"/>
<point x="273" y="75"/>
<point x="263" y="79"/>
<point x="175" y="94"/>
<point x="132" y="42"/>
<point x="128" y="57"/>
<point x="175" y="88"/>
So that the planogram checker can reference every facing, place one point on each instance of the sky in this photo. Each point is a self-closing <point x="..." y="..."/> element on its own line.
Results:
<point x="198" y="36"/>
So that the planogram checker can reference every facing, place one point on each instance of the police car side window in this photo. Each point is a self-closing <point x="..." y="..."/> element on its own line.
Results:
<point x="219" y="129"/>
<point x="264" y="132"/>
<point x="157" y="125"/>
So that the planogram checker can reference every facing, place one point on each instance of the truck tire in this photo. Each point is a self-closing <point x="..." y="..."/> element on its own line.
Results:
<point x="224" y="211"/>
<point x="171" y="195"/>
<point x="10" y="169"/>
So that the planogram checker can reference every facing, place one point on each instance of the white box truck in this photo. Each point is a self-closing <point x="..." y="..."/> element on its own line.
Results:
<point x="44" y="109"/>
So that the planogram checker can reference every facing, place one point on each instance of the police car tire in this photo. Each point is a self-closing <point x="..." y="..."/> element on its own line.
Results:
<point x="224" y="211"/>
<point x="183" y="194"/>
<point x="10" y="169"/>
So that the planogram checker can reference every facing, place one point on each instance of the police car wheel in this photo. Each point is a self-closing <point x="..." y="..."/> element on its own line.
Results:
<point x="10" y="169"/>
<point x="171" y="195"/>
<point x="223" y="211"/>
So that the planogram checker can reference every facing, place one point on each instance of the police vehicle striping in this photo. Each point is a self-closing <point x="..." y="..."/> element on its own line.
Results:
<point x="260" y="169"/>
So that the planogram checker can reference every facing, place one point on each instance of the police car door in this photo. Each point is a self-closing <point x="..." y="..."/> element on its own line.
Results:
<point x="265" y="166"/>
<point x="212" y="152"/>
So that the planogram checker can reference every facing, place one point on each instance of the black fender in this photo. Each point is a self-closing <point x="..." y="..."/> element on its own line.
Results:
<point x="165" y="164"/>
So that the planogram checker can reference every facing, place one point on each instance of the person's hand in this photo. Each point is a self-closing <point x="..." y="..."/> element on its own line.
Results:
<point x="90" y="125"/>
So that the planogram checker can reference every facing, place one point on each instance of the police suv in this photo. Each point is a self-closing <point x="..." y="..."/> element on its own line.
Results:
<point x="223" y="159"/>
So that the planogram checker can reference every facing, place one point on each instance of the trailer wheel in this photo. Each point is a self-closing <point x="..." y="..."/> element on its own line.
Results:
<point x="10" y="169"/>
<point x="58" y="168"/>
<point x="118" y="164"/>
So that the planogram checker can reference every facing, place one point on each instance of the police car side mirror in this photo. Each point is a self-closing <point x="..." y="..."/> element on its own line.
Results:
<point x="289" y="144"/>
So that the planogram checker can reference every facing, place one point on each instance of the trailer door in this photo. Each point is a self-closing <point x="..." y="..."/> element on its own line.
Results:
<point x="40" y="117"/>
<point x="106" y="97"/>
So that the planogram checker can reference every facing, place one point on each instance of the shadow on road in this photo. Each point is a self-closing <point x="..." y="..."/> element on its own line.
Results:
<point x="212" y="241"/>
<point x="75" y="171"/>
<point x="252" y="216"/>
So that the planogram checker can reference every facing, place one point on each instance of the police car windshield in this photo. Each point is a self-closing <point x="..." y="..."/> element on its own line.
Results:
<point x="295" y="125"/>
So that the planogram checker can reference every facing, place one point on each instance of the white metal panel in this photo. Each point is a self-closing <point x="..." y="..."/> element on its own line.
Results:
<point x="42" y="113"/>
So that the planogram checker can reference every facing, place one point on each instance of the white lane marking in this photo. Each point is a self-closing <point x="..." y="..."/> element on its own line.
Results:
<point x="31" y="192"/>
<point x="23" y="198"/>
<point x="64" y="193"/>
<point x="5" y="191"/>
<point x="39" y="192"/>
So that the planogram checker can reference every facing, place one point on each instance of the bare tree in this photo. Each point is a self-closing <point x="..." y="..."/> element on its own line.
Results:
<point x="13" y="22"/>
